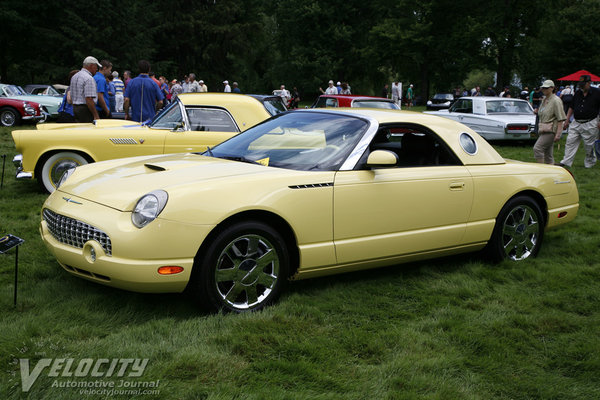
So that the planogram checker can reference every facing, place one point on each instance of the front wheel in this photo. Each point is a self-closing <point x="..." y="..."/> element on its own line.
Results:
<point x="518" y="232"/>
<point x="55" y="166"/>
<point x="244" y="268"/>
<point x="9" y="117"/>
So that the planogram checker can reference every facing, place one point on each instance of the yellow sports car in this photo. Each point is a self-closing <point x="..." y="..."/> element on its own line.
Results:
<point x="191" y="123"/>
<point x="305" y="193"/>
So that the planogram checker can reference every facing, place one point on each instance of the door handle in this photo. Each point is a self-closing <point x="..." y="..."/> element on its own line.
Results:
<point x="457" y="185"/>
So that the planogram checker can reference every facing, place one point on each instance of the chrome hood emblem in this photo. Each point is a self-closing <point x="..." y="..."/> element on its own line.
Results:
<point x="69" y="200"/>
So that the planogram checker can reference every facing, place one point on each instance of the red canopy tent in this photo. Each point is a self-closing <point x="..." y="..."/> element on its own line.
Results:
<point x="576" y="75"/>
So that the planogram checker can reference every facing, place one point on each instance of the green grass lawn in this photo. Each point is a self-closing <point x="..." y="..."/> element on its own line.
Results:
<point x="455" y="328"/>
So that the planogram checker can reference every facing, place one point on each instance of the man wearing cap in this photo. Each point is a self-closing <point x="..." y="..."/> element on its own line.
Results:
<point x="83" y="91"/>
<point x="585" y="109"/>
<point x="330" y="89"/>
<point x="143" y="94"/>
<point x="227" y="88"/>
<point x="203" y="87"/>
<point x="551" y="117"/>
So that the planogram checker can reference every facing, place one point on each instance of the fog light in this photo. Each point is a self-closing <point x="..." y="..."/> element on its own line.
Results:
<point x="170" y="270"/>
<point x="92" y="254"/>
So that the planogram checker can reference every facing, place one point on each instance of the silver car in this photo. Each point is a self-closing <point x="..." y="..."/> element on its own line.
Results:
<point x="494" y="118"/>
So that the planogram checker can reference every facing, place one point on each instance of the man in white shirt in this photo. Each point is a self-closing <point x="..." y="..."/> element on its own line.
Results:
<point x="227" y="87"/>
<point x="396" y="92"/>
<point x="330" y="89"/>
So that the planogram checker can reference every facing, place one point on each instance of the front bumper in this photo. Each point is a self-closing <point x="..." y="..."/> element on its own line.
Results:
<point x="18" y="162"/>
<point x="137" y="254"/>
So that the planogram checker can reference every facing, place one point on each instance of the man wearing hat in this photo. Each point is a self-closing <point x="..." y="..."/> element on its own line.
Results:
<point x="83" y="91"/>
<point x="227" y="88"/>
<point x="551" y="117"/>
<point x="585" y="109"/>
<point x="203" y="87"/>
<point x="330" y="89"/>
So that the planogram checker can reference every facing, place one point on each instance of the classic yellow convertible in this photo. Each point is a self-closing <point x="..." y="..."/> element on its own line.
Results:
<point x="191" y="123"/>
<point x="304" y="194"/>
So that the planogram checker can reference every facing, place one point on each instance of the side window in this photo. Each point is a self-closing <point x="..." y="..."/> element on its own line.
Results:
<point x="462" y="106"/>
<point x="414" y="145"/>
<point x="331" y="102"/>
<point x="211" y="119"/>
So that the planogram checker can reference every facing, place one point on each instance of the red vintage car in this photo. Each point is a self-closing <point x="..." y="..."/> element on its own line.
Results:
<point x="351" y="100"/>
<point x="13" y="111"/>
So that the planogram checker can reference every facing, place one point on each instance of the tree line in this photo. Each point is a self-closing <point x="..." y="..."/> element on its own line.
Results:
<point x="434" y="44"/>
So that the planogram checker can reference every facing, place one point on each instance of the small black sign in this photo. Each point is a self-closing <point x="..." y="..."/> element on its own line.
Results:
<point x="8" y="242"/>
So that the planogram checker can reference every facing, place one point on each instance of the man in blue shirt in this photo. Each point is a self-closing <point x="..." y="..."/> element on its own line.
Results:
<point x="102" y="104"/>
<point x="143" y="95"/>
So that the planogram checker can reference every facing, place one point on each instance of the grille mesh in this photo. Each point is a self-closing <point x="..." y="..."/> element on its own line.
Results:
<point x="75" y="233"/>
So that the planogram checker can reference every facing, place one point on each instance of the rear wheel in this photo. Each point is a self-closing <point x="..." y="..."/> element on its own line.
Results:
<point x="9" y="117"/>
<point x="244" y="268"/>
<point x="518" y="232"/>
<point x="55" y="166"/>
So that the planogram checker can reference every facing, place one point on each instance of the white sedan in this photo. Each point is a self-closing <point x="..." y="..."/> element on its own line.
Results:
<point x="494" y="118"/>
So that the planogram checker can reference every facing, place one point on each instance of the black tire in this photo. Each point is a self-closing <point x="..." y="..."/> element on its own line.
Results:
<point x="9" y="117"/>
<point x="244" y="268"/>
<point x="518" y="232"/>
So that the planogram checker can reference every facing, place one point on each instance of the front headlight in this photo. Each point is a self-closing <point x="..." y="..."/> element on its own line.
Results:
<point x="149" y="207"/>
<point x="65" y="176"/>
<point x="429" y="102"/>
<point x="28" y="108"/>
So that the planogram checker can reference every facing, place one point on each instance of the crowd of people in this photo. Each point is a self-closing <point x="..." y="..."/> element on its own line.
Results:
<point x="96" y="91"/>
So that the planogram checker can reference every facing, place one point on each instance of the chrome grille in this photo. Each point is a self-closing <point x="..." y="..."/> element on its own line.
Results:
<point x="73" y="232"/>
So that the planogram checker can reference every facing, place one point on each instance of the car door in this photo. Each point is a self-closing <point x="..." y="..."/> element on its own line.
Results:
<point x="385" y="212"/>
<point x="208" y="126"/>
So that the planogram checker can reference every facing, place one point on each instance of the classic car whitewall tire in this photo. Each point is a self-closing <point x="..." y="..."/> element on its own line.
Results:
<point x="9" y="117"/>
<point x="244" y="268"/>
<point x="55" y="165"/>
<point x="519" y="230"/>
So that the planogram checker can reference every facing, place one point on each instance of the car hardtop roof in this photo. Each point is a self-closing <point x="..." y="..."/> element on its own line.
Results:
<point x="355" y="97"/>
<point x="222" y="98"/>
<point x="490" y="98"/>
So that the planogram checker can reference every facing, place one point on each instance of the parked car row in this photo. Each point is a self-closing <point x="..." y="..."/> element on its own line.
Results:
<point x="48" y="104"/>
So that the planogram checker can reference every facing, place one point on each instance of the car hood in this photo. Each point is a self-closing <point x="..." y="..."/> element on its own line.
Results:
<point x="120" y="183"/>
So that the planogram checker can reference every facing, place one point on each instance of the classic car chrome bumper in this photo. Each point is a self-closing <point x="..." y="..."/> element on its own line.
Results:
<point x="18" y="162"/>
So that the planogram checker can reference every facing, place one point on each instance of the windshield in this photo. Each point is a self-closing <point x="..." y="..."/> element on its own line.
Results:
<point x="169" y="118"/>
<point x="442" y="96"/>
<point x="508" y="106"/>
<point x="274" y="106"/>
<point x="388" y="105"/>
<point x="296" y="140"/>
<point x="12" y="90"/>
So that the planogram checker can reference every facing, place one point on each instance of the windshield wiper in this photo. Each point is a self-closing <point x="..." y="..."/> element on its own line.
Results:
<point x="240" y="158"/>
<point x="210" y="153"/>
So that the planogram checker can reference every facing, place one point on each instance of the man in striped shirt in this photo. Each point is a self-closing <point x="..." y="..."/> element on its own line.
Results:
<point x="119" y="91"/>
<point x="84" y="91"/>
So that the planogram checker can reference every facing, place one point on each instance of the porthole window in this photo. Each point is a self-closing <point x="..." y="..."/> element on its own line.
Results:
<point x="468" y="143"/>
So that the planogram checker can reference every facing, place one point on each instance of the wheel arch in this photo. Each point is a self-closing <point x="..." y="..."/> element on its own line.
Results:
<point x="49" y="153"/>
<point x="537" y="197"/>
<point x="267" y="217"/>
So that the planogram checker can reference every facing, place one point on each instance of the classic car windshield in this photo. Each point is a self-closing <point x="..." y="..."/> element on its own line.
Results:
<point x="508" y="106"/>
<point x="388" y="105"/>
<point x="12" y="90"/>
<point x="301" y="141"/>
<point x="274" y="106"/>
<point x="443" y="96"/>
<point x="170" y="118"/>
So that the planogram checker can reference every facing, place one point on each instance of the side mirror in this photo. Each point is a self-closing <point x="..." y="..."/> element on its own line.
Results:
<point x="382" y="158"/>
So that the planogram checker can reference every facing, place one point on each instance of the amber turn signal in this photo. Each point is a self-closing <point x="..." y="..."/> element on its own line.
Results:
<point x="170" y="270"/>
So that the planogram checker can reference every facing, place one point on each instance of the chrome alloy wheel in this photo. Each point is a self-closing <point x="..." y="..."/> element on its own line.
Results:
<point x="520" y="232"/>
<point x="247" y="271"/>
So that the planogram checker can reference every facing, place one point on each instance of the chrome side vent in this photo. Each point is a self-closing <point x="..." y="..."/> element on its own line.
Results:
<point x="123" y="141"/>
<point x="311" y="185"/>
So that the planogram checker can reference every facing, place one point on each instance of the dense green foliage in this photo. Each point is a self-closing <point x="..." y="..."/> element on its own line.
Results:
<point x="454" y="328"/>
<point x="435" y="44"/>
